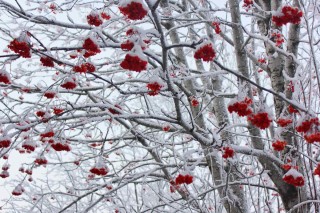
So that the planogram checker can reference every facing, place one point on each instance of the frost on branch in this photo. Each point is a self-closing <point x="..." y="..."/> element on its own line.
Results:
<point x="105" y="105"/>
<point x="18" y="190"/>
<point x="99" y="168"/>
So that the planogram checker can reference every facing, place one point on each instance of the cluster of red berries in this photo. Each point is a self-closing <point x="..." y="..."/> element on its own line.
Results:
<point x="95" y="19"/>
<point x="105" y="16"/>
<point x="181" y="179"/>
<point x="317" y="170"/>
<point x="4" y="77"/>
<point x="247" y="4"/>
<point x="69" y="83"/>
<point x="5" y="173"/>
<point x="278" y="38"/>
<point x="134" y="63"/>
<point x="242" y="108"/>
<point x="228" y="152"/>
<point x="114" y="111"/>
<point x="85" y="67"/>
<point x="58" y="146"/>
<point x="127" y="45"/>
<point x="288" y="166"/>
<point x="307" y="124"/>
<point x="260" y="120"/>
<point x="91" y="48"/>
<point x="18" y="190"/>
<point x="289" y="15"/>
<point x="283" y="122"/>
<point x="154" y="88"/>
<point x="57" y="111"/>
<point x="313" y="137"/>
<point x="194" y="102"/>
<point x="20" y="47"/>
<point x="292" y="110"/>
<point x="205" y="52"/>
<point x="293" y="177"/>
<point x="47" y="134"/>
<point x="5" y="142"/>
<point x="47" y="62"/>
<point x="262" y="60"/>
<point x="49" y="94"/>
<point x="134" y="10"/>
<point x="166" y="128"/>
<point x="29" y="146"/>
<point x="99" y="170"/>
<point x="216" y="27"/>
<point x="41" y="161"/>
<point x="44" y="115"/>
<point x="279" y="145"/>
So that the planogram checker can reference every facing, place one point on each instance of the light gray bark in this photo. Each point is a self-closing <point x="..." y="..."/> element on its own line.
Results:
<point x="288" y="193"/>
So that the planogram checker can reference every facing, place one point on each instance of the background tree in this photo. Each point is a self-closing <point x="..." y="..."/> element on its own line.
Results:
<point x="160" y="106"/>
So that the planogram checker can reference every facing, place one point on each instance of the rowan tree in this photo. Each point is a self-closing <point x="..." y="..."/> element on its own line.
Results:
<point x="159" y="106"/>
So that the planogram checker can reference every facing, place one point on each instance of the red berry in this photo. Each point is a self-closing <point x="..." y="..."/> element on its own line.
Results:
<point x="94" y="19"/>
<point x="242" y="108"/>
<point x="292" y="110"/>
<point x="227" y="152"/>
<point x="41" y="161"/>
<point x="99" y="170"/>
<point x="166" y="128"/>
<point x="188" y="179"/>
<point x="306" y="124"/>
<point x="293" y="177"/>
<point x="114" y="110"/>
<point x="69" y="84"/>
<point x="47" y="62"/>
<point x="247" y="4"/>
<point x="105" y="16"/>
<point x="216" y="26"/>
<point x="288" y="15"/>
<point x="5" y="142"/>
<point x="283" y="122"/>
<point x="127" y="45"/>
<point x="205" y="52"/>
<point x="4" y="174"/>
<point x="18" y="190"/>
<point x="194" y="102"/>
<point x="29" y="146"/>
<point x="317" y="170"/>
<point x="313" y="137"/>
<point x="279" y="145"/>
<point x="134" y="10"/>
<point x="4" y="77"/>
<point x="48" y="134"/>
<point x="260" y="120"/>
<point x="90" y="46"/>
<point x="49" y="94"/>
<point x="154" y="88"/>
<point x="134" y="63"/>
<point x="58" y="146"/>
<point x="57" y="111"/>
<point x="20" y="47"/>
